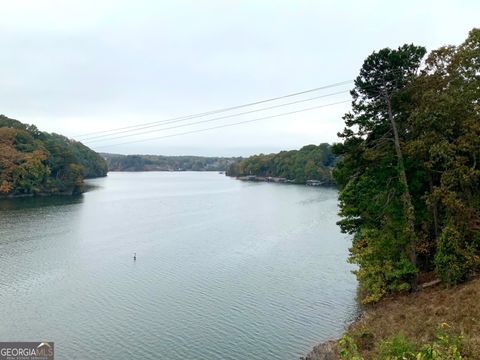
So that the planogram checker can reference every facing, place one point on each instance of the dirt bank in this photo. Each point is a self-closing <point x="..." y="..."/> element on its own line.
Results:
<point x="417" y="316"/>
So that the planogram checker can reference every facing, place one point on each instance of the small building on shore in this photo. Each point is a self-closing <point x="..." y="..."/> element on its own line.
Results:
<point x="314" y="183"/>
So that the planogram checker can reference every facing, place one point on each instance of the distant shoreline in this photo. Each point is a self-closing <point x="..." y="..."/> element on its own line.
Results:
<point x="279" y="180"/>
<point x="32" y="195"/>
<point x="155" y="170"/>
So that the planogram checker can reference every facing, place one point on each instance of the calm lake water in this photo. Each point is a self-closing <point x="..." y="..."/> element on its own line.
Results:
<point x="225" y="269"/>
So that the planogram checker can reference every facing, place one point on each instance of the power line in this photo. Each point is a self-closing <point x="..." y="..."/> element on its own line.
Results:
<point x="108" y="136"/>
<point x="102" y="138"/>
<point x="226" y="125"/>
<point x="218" y="110"/>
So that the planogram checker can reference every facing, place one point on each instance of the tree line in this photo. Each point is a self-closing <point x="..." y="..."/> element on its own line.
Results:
<point x="35" y="162"/>
<point x="408" y="168"/>
<point x="117" y="162"/>
<point x="311" y="162"/>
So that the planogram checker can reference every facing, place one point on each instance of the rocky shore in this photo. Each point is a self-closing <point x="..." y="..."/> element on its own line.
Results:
<point x="324" y="351"/>
<point x="280" y="180"/>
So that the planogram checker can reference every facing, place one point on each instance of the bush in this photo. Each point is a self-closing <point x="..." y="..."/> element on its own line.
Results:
<point x="348" y="348"/>
<point x="396" y="347"/>
<point x="382" y="267"/>
<point x="450" y="263"/>
<point x="446" y="346"/>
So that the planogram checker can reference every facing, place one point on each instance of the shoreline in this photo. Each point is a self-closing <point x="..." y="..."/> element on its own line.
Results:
<point x="280" y="180"/>
<point x="418" y="317"/>
<point x="73" y="192"/>
<point x="22" y="196"/>
<point x="327" y="350"/>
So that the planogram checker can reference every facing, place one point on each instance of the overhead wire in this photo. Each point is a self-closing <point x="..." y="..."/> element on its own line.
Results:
<point x="133" y="130"/>
<point x="103" y="138"/>
<point x="88" y="135"/>
<point x="224" y="125"/>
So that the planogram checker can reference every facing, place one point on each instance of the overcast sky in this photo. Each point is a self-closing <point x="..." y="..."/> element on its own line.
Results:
<point x="76" y="67"/>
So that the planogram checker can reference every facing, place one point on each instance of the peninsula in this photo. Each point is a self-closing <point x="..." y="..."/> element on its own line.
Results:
<point x="33" y="162"/>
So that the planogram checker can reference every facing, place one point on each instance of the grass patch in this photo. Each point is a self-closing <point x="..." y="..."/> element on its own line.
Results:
<point x="404" y="324"/>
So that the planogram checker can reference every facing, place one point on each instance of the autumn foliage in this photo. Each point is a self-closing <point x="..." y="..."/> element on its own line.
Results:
<point x="34" y="162"/>
<point x="409" y="171"/>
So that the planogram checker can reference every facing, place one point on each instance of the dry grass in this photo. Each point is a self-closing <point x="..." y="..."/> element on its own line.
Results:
<point x="419" y="314"/>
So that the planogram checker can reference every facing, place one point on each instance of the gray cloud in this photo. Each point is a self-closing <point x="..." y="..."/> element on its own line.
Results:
<point x="75" y="67"/>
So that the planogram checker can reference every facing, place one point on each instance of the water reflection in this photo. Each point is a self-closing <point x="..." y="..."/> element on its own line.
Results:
<point x="22" y="203"/>
<point x="29" y="202"/>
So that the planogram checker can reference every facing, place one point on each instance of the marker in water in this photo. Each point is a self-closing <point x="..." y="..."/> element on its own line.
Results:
<point x="134" y="256"/>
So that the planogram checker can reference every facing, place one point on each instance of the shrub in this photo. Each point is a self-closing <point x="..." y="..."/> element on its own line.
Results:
<point x="446" y="346"/>
<point x="382" y="266"/>
<point x="450" y="263"/>
<point x="348" y="348"/>
<point x="396" y="347"/>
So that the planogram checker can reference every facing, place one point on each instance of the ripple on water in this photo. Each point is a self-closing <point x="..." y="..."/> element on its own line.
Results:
<point x="225" y="269"/>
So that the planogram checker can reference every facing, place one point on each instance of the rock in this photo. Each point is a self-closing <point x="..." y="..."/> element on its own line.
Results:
<point x="323" y="351"/>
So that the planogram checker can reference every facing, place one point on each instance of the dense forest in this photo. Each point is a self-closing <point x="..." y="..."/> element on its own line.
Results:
<point x="33" y="162"/>
<point x="311" y="162"/>
<point x="409" y="167"/>
<point x="117" y="162"/>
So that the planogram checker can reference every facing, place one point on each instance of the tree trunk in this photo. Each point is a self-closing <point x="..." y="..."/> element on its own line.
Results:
<point x="406" y="197"/>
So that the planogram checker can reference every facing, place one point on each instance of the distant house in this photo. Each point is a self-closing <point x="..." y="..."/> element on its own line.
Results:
<point x="314" y="183"/>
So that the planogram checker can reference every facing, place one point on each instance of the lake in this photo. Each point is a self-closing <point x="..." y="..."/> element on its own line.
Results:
<point x="225" y="269"/>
